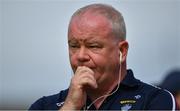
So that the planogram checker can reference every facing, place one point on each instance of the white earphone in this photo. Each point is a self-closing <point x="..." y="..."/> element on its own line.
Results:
<point x="106" y="95"/>
<point x="120" y="57"/>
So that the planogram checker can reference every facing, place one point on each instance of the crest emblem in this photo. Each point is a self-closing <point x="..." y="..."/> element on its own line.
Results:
<point x="126" y="107"/>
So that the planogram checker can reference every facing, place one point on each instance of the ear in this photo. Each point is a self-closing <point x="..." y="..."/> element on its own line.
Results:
<point x="123" y="48"/>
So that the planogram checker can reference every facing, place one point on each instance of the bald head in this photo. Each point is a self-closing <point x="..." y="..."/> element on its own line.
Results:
<point x="114" y="17"/>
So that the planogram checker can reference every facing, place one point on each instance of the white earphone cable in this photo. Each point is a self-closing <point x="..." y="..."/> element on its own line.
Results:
<point x="106" y="95"/>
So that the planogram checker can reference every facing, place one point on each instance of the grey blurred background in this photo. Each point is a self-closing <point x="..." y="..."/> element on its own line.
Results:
<point x="33" y="44"/>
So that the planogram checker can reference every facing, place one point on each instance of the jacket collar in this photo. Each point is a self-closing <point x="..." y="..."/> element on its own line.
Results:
<point x="130" y="80"/>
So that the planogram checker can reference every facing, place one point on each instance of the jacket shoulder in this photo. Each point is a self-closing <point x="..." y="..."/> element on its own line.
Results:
<point x="157" y="98"/>
<point x="49" y="102"/>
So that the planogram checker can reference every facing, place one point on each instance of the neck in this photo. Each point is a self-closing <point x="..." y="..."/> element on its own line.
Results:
<point x="99" y="95"/>
<point x="104" y="88"/>
<point x="96" y="94"/>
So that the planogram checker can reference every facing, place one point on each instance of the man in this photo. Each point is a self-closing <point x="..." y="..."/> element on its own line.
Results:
<point x="98" y="51"/>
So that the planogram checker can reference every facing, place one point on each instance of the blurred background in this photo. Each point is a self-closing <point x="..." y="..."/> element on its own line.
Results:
<point x="34" y="58"/>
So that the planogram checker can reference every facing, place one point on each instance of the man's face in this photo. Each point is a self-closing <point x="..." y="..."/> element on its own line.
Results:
<point x="92" y="44"/>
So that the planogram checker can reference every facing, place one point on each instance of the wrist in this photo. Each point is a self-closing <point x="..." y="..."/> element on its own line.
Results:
<point x="68" y="105"/>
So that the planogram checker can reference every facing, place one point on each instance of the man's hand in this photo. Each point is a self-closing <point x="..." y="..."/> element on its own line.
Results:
<point x="82" y="79"/>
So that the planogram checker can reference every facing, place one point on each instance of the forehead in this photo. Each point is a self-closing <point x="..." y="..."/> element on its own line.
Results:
<point x="89" y="25"/>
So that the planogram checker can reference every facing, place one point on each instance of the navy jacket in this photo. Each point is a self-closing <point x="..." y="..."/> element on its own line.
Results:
<point x="131" y="95"/>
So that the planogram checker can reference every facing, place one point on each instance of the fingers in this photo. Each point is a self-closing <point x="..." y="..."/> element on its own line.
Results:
<point x="83" y="69"/>
<point x="82" y="80"/>
<point x="88" y="81"/>
<point x="85" y="77"/>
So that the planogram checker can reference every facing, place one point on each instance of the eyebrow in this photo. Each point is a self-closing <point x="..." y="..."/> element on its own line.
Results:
<point x="85" y="40"/>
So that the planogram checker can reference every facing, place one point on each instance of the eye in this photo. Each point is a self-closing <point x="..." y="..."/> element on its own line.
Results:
<point x="94" y="46"/>
<point x="73" y="45"/>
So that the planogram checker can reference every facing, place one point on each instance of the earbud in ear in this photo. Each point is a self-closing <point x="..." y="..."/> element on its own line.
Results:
<point x="120" y="57"/>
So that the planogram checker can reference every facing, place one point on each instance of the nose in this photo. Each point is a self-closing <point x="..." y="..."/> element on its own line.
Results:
<point x="83" y="55"/>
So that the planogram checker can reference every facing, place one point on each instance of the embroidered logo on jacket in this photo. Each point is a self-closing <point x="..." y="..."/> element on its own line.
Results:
<point x="127" y="101"/>
<point x="60" y="104"/>
<point x="126" y="107"/>
<point x="127" y="104"/>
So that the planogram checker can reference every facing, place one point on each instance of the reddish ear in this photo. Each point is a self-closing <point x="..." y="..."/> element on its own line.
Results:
<point x="123" y="47"/>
